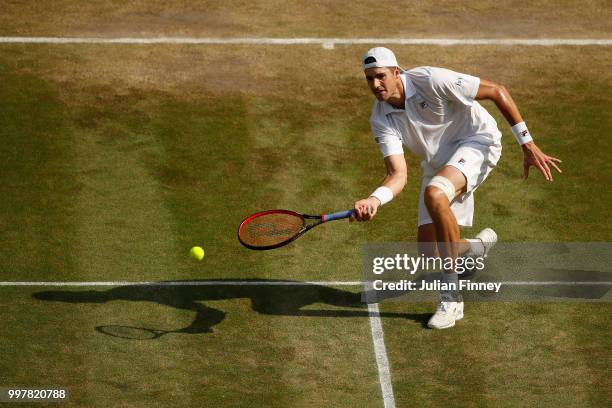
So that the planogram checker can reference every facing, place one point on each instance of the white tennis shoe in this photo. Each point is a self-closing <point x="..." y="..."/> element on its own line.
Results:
<point x="446" y="315"/>
<point x="485" y="240"/>
<point x="488" y="238"/>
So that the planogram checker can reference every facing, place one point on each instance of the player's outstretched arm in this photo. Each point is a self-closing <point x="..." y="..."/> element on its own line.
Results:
<point x="533" y="156"/>
<point x="392" y="185"/>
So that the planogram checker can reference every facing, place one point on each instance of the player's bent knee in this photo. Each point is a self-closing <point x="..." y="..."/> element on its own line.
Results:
<point x="434" y="195"/>
<point x="435" y="200"/>
<point x="439" y="188"/>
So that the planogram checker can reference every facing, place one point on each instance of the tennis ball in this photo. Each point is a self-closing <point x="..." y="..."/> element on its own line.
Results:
<point x="197" y="253"/>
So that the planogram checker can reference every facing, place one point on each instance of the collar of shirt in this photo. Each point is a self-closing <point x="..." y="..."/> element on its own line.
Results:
<point x="409" y="91"/>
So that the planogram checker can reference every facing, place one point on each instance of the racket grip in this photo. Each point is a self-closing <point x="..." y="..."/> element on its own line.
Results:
<point x="337" y="215"/>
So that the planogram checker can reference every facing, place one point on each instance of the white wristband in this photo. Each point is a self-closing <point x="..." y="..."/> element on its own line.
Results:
<point x="384" y="194"/>
<point x="521" y="133"/>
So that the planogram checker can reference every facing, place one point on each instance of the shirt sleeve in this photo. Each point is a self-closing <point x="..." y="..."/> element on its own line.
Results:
<point x="454" y="86"/>
<point x="387" y="138"/>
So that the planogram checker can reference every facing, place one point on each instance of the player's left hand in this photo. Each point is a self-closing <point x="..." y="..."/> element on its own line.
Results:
<point x="543" y="162"/>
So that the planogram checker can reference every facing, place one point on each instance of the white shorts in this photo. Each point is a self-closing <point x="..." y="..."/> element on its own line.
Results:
<point x="475" y="161"/>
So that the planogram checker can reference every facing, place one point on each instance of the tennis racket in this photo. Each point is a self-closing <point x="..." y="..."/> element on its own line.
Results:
<point x="275" y="228"/>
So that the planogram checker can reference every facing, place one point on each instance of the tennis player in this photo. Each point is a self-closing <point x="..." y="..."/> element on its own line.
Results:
<point x="434" y="112"/>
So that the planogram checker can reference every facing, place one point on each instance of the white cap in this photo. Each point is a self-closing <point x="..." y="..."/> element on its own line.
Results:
<point x="379" y="57"/>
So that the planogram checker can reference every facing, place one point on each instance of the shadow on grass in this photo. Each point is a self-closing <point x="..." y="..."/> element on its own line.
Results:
<point x="267" y="297"/>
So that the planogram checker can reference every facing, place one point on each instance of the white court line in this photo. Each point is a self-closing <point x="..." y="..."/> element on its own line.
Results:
<point x="553" y="283"/>
<point x="327" y="43"/>
<point x="384" y="372"/>
<point x="269" y="283"/>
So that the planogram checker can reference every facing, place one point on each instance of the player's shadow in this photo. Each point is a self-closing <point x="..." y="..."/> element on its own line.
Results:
<point x="267" y="297"/>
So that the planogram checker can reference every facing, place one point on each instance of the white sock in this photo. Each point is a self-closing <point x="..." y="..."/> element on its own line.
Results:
<point x="452" y="295"/>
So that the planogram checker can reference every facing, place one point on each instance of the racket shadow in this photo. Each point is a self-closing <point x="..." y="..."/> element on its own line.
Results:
<point x="266" y="298"/>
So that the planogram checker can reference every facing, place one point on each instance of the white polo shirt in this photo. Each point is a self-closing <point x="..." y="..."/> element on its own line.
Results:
<point x="440" y="115"/>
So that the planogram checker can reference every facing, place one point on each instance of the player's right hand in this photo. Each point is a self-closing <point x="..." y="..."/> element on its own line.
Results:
<point x="365" y="209"/>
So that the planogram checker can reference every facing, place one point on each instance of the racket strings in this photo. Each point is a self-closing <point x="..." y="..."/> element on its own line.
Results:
<point x="271" y="229"/>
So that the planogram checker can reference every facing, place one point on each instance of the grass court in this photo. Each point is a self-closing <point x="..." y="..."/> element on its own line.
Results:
<point x="116" y="159"/>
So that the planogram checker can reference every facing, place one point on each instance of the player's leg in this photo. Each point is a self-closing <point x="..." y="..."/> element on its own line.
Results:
<point x="426" y="233"/>
<point x="448" y="183"/>
<point x="427" y="245"/>
<point x="447" y="313"/>
<point x="447" y="199"/>
<point x="475" y="162"/>
<point x="426" y="237"/>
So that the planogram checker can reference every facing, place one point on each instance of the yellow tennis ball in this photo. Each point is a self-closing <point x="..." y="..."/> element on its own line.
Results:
<point x="197" y="253"/>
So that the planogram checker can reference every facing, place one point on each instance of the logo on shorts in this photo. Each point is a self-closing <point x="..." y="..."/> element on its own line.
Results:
<point x="459" y="82"/>
<point x="423" y="105"/>
<point x="462" y="161"/>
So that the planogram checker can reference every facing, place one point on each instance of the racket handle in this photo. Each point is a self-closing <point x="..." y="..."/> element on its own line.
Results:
<point x="337" y="215"/>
